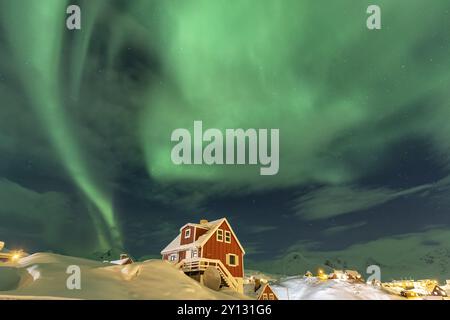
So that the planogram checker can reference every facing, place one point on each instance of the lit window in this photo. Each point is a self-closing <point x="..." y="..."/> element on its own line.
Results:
<point x="220" y="235"/>
<point x="232" y="260"/>
<point x="227" y="236"/>
<point x="187" y="233"/>
<point x="264" y="296"/>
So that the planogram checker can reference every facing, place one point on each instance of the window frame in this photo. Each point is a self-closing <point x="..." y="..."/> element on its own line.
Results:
<point x="219" y="234"/>
<point x="236" y="260"/>
<point x="227" y="234"/>
<point x="264" y="296"/>
<point x="187" y="233"/>
<point x="271" y="296"/>
<point x="174" y="256"/>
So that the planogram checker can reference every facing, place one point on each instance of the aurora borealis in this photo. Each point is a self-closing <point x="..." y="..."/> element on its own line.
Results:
<point x="86" y="118"/>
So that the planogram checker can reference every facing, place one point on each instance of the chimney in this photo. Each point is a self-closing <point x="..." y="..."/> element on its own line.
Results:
<point x="203" y="221"/>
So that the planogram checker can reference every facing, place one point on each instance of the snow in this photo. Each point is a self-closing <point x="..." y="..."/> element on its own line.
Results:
<point x="44" y="276"/>
<point x="34" y="272"/>
<point x="299" y="288"/>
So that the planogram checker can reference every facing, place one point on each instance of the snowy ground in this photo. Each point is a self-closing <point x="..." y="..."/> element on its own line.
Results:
<point x="43" y="276"/>
<point x="299" y="288"/>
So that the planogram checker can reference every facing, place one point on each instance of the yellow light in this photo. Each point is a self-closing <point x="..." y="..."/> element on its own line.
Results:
<point x="16" y="256"/>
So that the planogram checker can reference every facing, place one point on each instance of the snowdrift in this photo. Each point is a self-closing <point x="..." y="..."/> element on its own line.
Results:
<point x="43" y="276"/>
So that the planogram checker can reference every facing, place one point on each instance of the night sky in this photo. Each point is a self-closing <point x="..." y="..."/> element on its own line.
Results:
<point x="364" y="119"/>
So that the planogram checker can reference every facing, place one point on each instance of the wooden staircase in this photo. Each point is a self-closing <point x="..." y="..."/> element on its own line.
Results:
<point x="200" y="265"/>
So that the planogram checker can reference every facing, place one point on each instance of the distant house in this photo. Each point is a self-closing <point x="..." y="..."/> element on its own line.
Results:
<point x="208" y="244"/>
<point x="439" y="291"/>
<point x="263" y="289"/>
<point x="124" y="259"/>
<point x="308" y="274"/>
<point x="267" y="293"/>
<point x="337" y="274"/>
<point x="354" y="275"/>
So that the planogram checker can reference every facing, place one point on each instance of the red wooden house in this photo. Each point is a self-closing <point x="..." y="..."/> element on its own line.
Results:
<point x="208" y="244"/>
<point x="267" y="293"/>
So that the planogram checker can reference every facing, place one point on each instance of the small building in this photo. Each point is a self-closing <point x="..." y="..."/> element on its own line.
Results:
<point x="338" y="274"/>
<point x="267" y="293"/>
<point x="375" y="283"/>
<point x="439" y="291"/>
<point x="308" y="274"/>
<point x="208" y="244"/>
<point x="262" y="289"/>
<point x="354" y="275"/>
<point x="124" y="260"/>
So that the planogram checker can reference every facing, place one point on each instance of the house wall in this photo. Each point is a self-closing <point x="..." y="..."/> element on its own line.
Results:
<point x="184" y="240"/>
<point x="214" y="249"/>
<point x="181" y="255"/>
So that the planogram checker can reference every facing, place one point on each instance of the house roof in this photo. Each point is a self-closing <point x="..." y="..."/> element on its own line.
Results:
<point x="175" y="245"/>
<point x="212" y="226"/>
<point x="353" y="273"/>
<point x="197" y="225"/>
<point x="122" y="261"/>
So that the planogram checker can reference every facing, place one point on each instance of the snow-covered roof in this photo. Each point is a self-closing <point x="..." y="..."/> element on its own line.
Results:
<point x="211" y="226"/>
<point x="175" y="244"/>
<point x="121" y="261"/>
<point x="197" y="225"/>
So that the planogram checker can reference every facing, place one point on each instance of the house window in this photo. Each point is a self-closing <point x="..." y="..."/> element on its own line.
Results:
<point x="264" y="296"/>
<point x="271" y="296"/>
<point x="220" y="235"/>
<point x="194" y="253"/>
<point x="187" y="233"/>
<point x="227" y="236"/>
<point x="232" y="260"/>
<point x="173" y="257"/>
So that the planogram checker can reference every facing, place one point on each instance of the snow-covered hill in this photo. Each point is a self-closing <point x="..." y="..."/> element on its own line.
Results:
<point x="44" y="276"/>
<point x="406" y="257"/>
